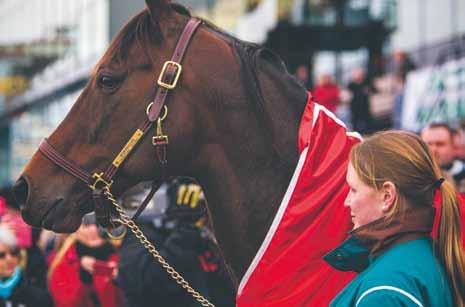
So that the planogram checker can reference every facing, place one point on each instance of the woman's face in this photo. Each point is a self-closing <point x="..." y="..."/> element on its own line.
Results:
<point x="89" y="235"/>
<point x="365" y="202"/>
<point x="8" y="261"/>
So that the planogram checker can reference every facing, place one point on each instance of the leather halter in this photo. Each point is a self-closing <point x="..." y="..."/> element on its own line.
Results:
<point x="99" y="181"/>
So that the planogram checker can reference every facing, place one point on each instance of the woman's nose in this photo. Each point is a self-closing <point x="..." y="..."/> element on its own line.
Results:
<point x="347" y="201"/>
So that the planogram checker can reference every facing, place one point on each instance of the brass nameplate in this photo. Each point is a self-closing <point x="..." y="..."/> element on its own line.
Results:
<point x="128" y="148"/>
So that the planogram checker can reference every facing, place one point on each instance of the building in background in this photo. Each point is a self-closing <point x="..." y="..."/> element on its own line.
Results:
<point x="433" y="35"/>
<point x="46" y="61"/>
<point x="428" y="28"/>
<point x="44" y="64"/>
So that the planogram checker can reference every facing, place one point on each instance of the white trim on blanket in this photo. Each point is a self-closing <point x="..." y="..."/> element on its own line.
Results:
<point x="390" y="288"/>
<point x="316" y="112"/>
<point x="276" y="221"/>
<point x="355" y="134"/>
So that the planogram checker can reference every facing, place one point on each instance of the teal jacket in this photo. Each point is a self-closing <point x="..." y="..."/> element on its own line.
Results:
<point x="404" y="274"/>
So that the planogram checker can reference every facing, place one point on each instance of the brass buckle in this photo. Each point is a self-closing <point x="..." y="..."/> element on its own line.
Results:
<point x="172" y="85"/>
<point x="160" y="140"/>
<point x="99" y="179"/>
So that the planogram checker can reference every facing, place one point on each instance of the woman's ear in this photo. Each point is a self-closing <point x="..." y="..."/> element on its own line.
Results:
<point x="389" y="194"/>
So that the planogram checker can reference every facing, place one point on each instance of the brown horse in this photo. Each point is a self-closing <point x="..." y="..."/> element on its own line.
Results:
<point x="232" y="124"/>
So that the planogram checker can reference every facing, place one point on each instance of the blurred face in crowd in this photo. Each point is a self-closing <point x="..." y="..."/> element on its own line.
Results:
<point x="302" y="73"/>
<point x="459" y="145"/>
<point x="439" y="142"/>
<point x="358" y="75"/>
<point x="366" y="203"/>
<point x="399" y="57"/>
<point x="325" y="79"/>
<point x="8" y="260"/>
<point x="88" y="234"/>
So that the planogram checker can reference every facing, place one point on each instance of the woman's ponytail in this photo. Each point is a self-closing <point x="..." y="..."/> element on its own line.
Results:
<point x="449" y="243"/>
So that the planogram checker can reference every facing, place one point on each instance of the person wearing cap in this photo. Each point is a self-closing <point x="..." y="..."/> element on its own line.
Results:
<point x="393" y="179"/>
<point x="83" y="270"/>
<point x="174" y="223"/>
<point x="327" y="92"/>
<point x="33" y="264"/>
<point x="15" y="289"/>
<point x="10" y="217"/>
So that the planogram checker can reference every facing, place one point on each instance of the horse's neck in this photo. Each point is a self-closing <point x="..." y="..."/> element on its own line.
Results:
<point x="245" y="183"/>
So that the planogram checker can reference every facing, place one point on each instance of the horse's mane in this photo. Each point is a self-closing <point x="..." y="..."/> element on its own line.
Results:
<point x="250" y="56"/>
<point x="144" y="32"/>
<point x="253" y="58"/>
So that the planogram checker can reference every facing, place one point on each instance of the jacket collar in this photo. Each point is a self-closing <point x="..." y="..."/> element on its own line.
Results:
<point x="409" y="225"/>
<point x="371" y="240"/>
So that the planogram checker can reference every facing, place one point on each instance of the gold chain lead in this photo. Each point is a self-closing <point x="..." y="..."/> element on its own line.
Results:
<point x="126" y="221"/>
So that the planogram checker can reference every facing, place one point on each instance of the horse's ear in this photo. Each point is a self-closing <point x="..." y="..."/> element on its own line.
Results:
<point x="157" y="8"/>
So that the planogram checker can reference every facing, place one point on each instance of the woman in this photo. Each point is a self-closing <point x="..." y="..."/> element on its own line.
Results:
<point x="83" y="270"/>
<point x="15" y="290"/>
<point x="393" y="179"/>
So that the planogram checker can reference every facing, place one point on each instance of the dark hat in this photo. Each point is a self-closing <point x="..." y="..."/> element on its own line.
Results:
<point x="186" y="200"/>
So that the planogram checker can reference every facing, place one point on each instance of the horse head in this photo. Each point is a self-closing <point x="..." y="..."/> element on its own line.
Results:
<point x="220" y="129"/>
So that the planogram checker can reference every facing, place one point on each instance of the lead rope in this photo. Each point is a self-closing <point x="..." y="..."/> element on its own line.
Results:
<point x="126" y="221"/>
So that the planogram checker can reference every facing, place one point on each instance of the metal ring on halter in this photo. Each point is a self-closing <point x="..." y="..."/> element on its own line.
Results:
<point x="117" y="237"/>
<point x="165" y="109"/>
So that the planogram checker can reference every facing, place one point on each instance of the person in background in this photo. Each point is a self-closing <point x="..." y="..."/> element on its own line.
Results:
<point x="83" y="270"/>
<point x="403" y="64"/>
<point x="15" y="289"/>
<point x="36" y="266"/>
<point x="303" y="76"/>
<point x="393" y="180"/>
<point x="458" y="138"/>
<point x="359" y="104"/>
<point x="327" y="92"/>
<point x="187" y="205"/>
<point x="175" y="224"/>
<point x="10" y="217"/>
<point x="33" y="262"/>
<point x="438" y="137"/>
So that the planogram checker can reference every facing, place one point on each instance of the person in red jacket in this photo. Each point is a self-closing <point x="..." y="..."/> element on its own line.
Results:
<point x="327" y="92"/>
<point x="83" y="270"/>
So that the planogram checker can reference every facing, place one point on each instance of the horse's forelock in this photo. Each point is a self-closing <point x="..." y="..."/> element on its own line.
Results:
<point x="141" y="30"/>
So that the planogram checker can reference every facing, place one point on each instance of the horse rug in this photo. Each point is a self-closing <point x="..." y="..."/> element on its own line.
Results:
<point x="288" y="269"/>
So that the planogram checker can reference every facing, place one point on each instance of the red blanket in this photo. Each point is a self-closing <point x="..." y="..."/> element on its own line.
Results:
<point x="288" y="269"/>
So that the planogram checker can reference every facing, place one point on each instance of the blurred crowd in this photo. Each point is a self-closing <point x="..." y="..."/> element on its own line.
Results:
<point x="89" y="269"/>
<point x="368" y="104"/>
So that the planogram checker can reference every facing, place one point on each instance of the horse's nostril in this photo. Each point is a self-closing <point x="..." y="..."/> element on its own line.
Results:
<point x="21" y="191"/>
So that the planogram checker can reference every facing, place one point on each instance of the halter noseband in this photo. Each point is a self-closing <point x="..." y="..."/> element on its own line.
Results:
<point x="101" y="182"/>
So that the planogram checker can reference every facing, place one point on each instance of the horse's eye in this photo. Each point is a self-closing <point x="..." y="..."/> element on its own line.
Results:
<point x="107" y="82"/>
